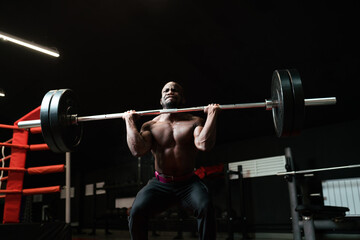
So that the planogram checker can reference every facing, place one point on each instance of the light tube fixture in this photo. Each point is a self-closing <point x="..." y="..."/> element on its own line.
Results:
<point x="2" y="93"/>
<point x="25" y="43"/>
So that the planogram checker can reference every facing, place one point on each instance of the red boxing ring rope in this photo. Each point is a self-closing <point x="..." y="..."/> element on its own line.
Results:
<point x="33" y="147"/>
<point x="37" y="170"/>
<point x="9" y="126"/>
<point x="34" y="130"/>
<point x="46" y="169"/>
<point x="3" y="178"/>
<point x="5" y="158"/>
<point x="31" y="191"/>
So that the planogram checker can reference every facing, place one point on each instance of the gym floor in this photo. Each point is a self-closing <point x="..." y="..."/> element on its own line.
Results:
<point x="124" y="235"/>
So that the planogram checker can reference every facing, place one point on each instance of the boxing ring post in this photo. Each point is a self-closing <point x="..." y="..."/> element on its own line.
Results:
<point x="16" y="170"/>
<point x="67" y="188"/>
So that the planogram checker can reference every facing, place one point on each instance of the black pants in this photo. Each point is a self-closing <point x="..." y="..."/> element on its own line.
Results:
<point x="156" y="197"/>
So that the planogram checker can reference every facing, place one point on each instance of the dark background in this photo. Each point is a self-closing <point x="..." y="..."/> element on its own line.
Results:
<point x="117" y="55"/>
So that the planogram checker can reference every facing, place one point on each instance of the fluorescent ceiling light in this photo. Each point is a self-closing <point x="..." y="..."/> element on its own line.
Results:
<point x="25" y="43"/>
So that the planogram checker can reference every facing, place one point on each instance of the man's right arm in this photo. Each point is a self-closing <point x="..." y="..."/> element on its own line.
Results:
<point x="139" y="142"/>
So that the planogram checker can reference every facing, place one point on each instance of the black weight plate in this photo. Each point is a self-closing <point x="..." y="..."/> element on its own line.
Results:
<point x="45" y="121"/>
<point x="67" y="135"/>
<point x="282" y="97"/>
<point x="299" y="104"/>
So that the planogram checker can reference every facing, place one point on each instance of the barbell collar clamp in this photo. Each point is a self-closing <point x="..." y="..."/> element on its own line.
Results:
<point x="269" y="104"/>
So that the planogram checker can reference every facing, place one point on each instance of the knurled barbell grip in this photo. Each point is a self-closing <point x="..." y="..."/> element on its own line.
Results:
<point x="268" y="104"/>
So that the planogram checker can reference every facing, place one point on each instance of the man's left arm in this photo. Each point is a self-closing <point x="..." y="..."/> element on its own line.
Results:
<point x="205" y="136"/>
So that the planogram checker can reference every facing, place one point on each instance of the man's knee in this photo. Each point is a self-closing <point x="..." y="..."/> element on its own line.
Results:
<point x="137" y="223"/>
<point x="137" y="212"/>
<point x="205" y="208"/>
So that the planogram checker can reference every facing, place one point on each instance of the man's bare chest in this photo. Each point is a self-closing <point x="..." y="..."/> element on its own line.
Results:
<point x="165" y="133"/>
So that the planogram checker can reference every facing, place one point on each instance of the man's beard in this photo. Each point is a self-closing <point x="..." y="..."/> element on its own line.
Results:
<point x="171" y="104"/>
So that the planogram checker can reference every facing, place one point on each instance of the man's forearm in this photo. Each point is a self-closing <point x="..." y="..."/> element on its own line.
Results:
<point x="134" y="139"/>
<point x="207" y="136"/>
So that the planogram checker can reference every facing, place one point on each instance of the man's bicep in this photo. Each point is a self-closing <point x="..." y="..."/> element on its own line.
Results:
<point x="197" y="131"/>
<point x="199" y="125"/>
<point x="146" y="135"/>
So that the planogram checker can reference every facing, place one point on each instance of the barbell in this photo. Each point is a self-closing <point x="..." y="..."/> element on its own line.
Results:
<point x="62" y="130"/>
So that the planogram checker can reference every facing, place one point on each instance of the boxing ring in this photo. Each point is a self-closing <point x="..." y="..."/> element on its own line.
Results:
<point x="15" y="169"/>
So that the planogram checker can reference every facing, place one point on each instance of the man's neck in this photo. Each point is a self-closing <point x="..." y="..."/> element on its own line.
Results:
<point x="172" y="117"/>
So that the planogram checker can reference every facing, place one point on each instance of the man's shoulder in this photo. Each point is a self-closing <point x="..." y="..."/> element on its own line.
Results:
<point x="149" y="123"/>
<point x="196" y="120"/>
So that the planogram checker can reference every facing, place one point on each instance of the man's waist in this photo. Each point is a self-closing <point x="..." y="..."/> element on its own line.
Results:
<point x="168" y="178"/>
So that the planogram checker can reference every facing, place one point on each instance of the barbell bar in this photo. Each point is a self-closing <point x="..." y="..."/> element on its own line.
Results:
<point x="62" y="129"/>
<point x="268" y="105"/>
